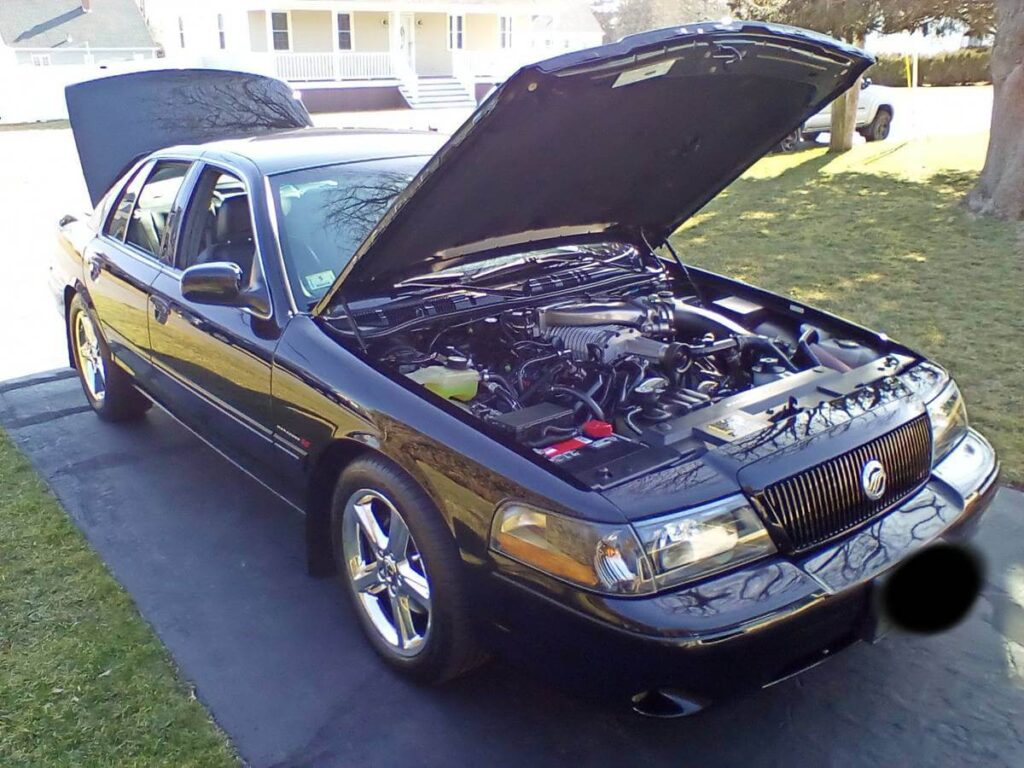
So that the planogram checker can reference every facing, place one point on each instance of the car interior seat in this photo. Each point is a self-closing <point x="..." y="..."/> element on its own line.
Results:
<point x="232" y="239"/>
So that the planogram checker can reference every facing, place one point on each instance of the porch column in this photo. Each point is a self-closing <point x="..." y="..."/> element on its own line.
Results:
<point x="395" y="40"/>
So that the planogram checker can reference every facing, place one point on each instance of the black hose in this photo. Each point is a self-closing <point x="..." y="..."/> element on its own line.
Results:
<point x="582" y="397"/>
<point x="528" y="363"/>
<point x="509" y="392"/>
<point x="550" y="435"/>
<point x="541" y="382"/>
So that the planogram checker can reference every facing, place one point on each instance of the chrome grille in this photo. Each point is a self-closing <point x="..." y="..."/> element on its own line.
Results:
<point x="828" y="499"/>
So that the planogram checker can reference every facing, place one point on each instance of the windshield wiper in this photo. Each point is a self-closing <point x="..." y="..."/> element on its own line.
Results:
<point x="415" y="283"/>
<point x="466" y="279"/>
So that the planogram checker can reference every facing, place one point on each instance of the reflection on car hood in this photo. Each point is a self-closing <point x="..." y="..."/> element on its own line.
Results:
<point x="117" y="120"/>
<point x="636" y="135"/>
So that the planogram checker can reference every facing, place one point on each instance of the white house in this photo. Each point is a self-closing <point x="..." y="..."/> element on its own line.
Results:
<point x="373" y="54"/>
<point x="46" y="44"/>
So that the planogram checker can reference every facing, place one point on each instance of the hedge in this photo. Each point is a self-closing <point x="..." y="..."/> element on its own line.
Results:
<point x="962" y="67"/>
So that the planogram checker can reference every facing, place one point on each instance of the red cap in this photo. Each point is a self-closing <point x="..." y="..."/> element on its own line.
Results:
<point x="597" y="429"/>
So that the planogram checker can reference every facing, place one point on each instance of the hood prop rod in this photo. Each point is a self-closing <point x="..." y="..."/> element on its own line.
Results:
<point x="682" y="266"/>
<point x="352" y="321"/>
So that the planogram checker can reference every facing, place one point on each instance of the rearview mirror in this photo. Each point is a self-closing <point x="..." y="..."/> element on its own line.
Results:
<point x="219" y="282"/>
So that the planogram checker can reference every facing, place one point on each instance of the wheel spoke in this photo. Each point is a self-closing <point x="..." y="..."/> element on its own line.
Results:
<point x="415" y="587"/>
<point x="398" y="538"/>
<point x="369" y="525"/>
<point x="366" y="579"/>
<point x="403" y="620"/>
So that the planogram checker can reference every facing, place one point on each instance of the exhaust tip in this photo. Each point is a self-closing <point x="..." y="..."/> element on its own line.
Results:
<point x="665" y="703"/>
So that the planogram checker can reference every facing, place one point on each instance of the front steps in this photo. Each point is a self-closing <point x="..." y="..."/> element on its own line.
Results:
<point x="438" y="93"/>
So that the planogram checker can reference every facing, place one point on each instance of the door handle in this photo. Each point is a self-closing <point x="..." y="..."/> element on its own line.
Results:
<point x="95" y="263"/>
<point x="161" y="310"/>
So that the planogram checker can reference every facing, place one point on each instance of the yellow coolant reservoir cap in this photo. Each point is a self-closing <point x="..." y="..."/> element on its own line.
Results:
<point x="448" y="382"/>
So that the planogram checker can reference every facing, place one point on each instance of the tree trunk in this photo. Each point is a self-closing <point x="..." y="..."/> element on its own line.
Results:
<point x="844" y="116"/>
<point x="1000" y="190"/>
<point x="844" y="120"/>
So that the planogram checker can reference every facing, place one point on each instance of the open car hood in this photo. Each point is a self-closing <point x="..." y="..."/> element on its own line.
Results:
<point x="633" y="136"/>
<point x="117" y="120"/>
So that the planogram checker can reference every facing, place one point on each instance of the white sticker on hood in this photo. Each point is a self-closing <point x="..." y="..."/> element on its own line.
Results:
<point x="640" y="74"/>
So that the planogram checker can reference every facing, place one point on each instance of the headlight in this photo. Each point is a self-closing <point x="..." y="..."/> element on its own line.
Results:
<point x="948" y="415"/>
<point x="701" y="541"/>
<point x="606" y="558"/>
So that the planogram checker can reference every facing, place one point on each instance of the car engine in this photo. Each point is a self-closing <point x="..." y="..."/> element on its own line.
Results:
<point x="610" y="372"/>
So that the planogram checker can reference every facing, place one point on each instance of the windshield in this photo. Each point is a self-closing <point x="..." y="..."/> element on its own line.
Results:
<point x="325" y="213"/>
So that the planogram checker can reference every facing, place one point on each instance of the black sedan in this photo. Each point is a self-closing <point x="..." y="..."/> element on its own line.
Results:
<point x="508" y="409"/>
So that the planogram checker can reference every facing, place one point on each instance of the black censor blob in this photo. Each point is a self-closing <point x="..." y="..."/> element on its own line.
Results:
<point x="933" y="590"/>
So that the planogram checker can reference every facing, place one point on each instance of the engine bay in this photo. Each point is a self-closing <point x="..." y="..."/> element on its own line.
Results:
<point x="614" y="382"/>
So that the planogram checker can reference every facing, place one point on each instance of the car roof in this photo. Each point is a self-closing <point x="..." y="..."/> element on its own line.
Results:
<point x="310" y="147"/>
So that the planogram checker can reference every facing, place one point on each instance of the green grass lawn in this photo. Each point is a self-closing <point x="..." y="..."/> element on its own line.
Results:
<point x="878" y="235"/>
<point x="83" y="679"/>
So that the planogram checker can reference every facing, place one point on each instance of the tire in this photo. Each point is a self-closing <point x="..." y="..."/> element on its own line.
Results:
<point x="108" y="388"/>
<point x="791" y="142"/>
<point x="878" y="129"/>
<point x="383" y="579"/>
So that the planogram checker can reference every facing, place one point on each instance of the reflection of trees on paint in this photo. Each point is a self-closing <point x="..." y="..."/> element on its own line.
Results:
<point x="851" y="562"/>
<point x="233" y="104"/>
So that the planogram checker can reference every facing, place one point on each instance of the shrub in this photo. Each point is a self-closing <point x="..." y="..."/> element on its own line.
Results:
<point x="962" y="67"/>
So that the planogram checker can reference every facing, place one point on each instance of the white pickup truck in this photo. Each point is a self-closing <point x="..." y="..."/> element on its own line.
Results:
<point x="874" y="117"/>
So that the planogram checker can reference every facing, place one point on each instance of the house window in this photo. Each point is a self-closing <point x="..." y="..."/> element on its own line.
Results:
<point x="279" y="31"/>
<point x="181" y="32"/>
<point x="221" y="37"/>
<point x="344" y="32"/>
<point x="505" y="31"/>
<point x="456" y="24"/>
<point x="41" y="60"/>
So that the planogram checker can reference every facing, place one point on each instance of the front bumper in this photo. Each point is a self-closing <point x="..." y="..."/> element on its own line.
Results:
<point x="761" y="623"/>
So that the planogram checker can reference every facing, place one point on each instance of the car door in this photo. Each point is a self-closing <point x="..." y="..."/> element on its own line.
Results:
<point x="213" y="363"/>
<point x="122" y="262"/>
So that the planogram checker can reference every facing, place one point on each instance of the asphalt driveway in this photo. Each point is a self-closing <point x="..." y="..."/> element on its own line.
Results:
<point x="215" y="564"/>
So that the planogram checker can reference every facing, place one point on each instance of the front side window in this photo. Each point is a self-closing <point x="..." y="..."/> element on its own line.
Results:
<point x="505" y="31"/>
<point x="147" y="225"/>
<point x="280" y="32"/>
<point x="344" y="32"/>
<point x="455" y="27"/>
<point x="324" y="214"/>
<point x="218" y="223"/>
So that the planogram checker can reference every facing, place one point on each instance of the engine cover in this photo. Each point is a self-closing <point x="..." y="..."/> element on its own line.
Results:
<point x="608" y="342"/>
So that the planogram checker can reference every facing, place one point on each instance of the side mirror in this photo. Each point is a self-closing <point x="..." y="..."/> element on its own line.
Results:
<point x="865" y="83"/>
<point x="218" y="282"/>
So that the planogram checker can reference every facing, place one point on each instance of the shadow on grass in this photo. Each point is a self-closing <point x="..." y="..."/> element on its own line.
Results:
<point x="897" y="255"/>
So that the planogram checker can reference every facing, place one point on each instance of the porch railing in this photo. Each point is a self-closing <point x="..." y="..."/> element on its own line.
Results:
<point x="342" y="65"/>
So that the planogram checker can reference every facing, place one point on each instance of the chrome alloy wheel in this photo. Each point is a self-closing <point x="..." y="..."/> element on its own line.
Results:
<point x="386" y="571"/>
<point x="90" y="358"/>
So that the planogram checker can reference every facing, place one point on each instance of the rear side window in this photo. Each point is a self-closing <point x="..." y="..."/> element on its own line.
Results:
<point x="117" y="224"/>
<point x="147" y="225"/>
